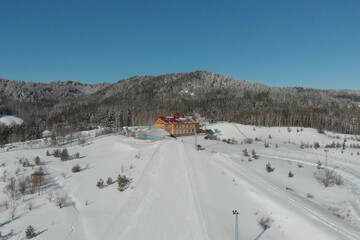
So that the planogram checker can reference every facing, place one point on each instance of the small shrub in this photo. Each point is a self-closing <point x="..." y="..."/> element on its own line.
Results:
<point x="37" y="160"/>
<point x="123" y="182"/>
<point x="320" y="130"/>
<point x="290" y="174"/>
<point x="61" y="201"/>
<point x="264" y="222"/>
<point x="269" y="168"/>
<point x="30" y="205"/>
<point x="254" y="155"/>
<point x="270" y="137"/>
<point x="266" y="145"/>
<point x="300" y="165"/>
<point x="63" y="174"/>
<point x="248" y="141"/>
<point x="57" y="153"/>
<point x="328" y="178"/>
<point x="289" y="189"/>
<point x="245" y="152"/>
<point x="30" y="232"/>
<point x="77" y="155"/>
<point x="309" y="195"/>
<point x="316" y="145"/>
<point x="76" y="168"/>
<point x="48" y="153"/>
<point x="109" y="181"/>
<point x="319" y="165"/>
<point x="64" y="155"/>
<point x="100" y="183"/>
<point x="289" y="129"/>
<point x="276" y="145"/>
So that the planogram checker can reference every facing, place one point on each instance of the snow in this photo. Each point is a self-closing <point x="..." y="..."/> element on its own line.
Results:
<point x="177" y="192"/>
<point x="8" y="120"/>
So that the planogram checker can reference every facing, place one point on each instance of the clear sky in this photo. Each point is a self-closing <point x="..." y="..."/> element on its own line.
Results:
<point x="310" y="43"/>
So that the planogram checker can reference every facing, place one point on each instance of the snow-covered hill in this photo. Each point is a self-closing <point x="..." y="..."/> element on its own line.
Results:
<point x="177" y="192"/>
<point x="8" y="120"/>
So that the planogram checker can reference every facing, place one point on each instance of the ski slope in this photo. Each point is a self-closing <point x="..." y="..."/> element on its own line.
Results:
<point x="177" y="192"/>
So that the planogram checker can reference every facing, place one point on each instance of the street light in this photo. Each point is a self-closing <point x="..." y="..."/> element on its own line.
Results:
<point x="236" y="213"/>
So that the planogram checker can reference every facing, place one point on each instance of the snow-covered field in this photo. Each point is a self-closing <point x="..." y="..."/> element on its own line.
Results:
<point x="177" y="192"/>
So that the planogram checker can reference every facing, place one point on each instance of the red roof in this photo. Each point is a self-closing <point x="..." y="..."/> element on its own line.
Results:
<point x="183" y="119"/>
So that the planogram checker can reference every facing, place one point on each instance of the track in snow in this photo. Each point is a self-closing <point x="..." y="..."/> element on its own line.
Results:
<point x="263" y="184"/>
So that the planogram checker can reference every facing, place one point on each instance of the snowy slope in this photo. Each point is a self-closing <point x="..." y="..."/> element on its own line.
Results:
<point x="8" y="120"/>
<point x="177" y="192"/>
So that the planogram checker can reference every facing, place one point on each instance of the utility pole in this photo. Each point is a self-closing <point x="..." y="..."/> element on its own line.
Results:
<point x="236" y="213"/>
<point x="326" y="151"/>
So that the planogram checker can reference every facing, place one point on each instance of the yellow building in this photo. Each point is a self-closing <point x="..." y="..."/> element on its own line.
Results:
<point x="178" y="125"/>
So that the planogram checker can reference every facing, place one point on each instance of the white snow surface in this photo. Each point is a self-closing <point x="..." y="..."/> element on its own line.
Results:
<point x="177" y="192"/>
<point x="8" y="120"/>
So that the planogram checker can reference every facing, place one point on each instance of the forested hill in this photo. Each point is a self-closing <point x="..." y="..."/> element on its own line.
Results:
<point x="31" y="101"/>
<point x="140" y="99"/>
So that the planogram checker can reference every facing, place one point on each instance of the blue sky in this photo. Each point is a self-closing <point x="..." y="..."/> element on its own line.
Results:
<point x="279" y="42"/>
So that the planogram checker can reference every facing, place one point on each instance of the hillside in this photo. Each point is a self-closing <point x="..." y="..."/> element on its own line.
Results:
<point x="138" y="100"/>
<point x="69" y="106"/>
<point x="33" y="101"/>
<point x="176" y="192"/>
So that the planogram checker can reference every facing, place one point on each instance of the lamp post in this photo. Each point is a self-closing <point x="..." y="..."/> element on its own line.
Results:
<point x="326" y="151"/>
<point x="236" y="213"/>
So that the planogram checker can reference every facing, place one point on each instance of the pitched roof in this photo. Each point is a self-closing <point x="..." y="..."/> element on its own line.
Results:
<point x="183" y="119"/>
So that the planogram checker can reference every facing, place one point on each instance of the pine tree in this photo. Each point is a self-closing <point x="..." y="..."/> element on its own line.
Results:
<point x="123" y="182"/>
<point x="30" y="232"/>
<point x="37" y="160"/>
<point x="64" y="155"/>
<point x="53" y="140"/>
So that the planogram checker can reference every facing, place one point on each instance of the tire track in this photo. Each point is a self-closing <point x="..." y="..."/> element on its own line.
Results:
<point x="263" y="184"/>
<point x="196" y="198"/>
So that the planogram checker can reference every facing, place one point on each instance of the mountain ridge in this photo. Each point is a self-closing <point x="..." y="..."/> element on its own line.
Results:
<point x="140" y="99"/>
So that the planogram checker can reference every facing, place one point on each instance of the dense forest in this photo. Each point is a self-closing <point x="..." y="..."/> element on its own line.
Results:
<point x="140" y="99"/>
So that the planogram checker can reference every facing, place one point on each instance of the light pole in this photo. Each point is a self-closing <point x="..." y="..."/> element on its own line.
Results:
<point x="326" y="151"/>
<point x="236" y="213"/>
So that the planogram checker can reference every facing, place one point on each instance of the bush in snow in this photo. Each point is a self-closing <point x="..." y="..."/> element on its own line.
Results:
<point x="76" y="168"/>
<point x="64" y="155"/>
<point x="290" y="174"/>
<point x="77" y="155"/>
<point x="30" y="232"/>
<point x="269" y="168"/>
<point x="309" y="195"/>
<point x="264" y="222"/>
<point x="57" y="153"/>
<point x="48" y="153"/>
<point x="328" y="178"/>
<point x="100" y="183"/>
<point x="61" y="201"/>
<point x="245" y="152"/>
<point x="123" y="182"/>
<point x="316" y="145"/>
<point x="109" y="181"/>
<point x="37" y="160"/>
<point x="319" y="165"/>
